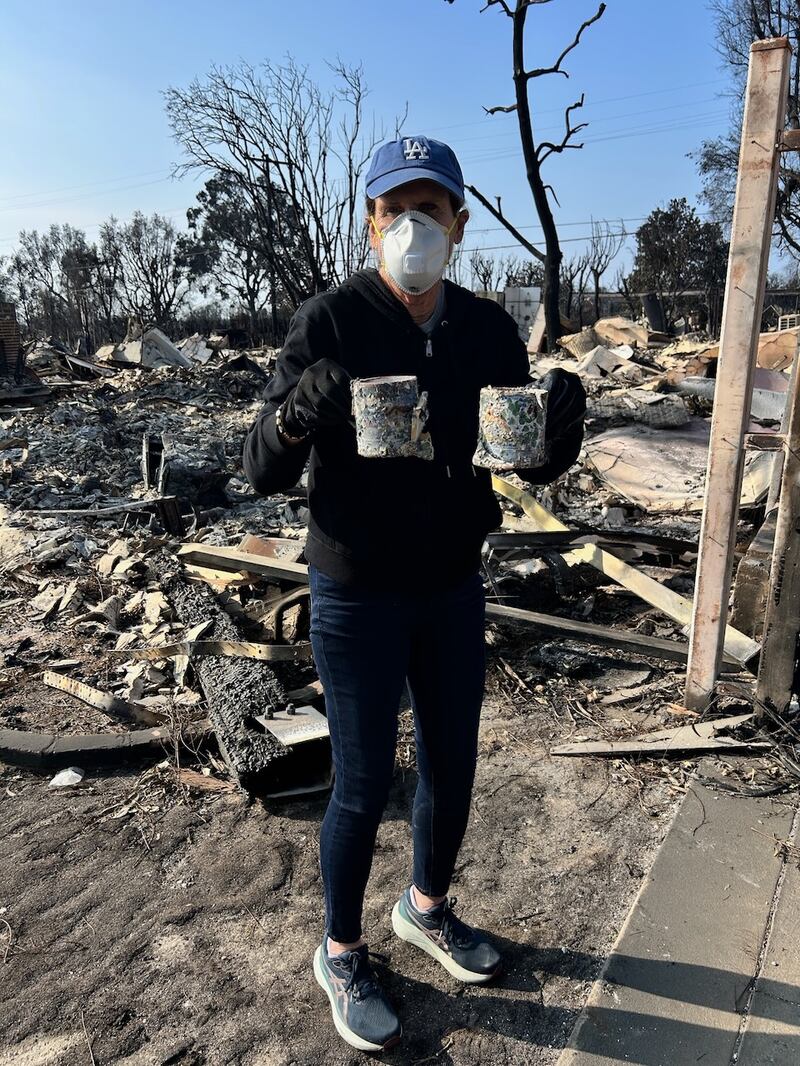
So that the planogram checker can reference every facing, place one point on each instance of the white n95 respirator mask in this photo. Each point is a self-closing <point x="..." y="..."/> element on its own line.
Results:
<point x="414" y="250"/>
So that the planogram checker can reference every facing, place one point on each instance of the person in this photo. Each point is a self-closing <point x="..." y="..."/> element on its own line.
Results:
<point x="394" y="553"/>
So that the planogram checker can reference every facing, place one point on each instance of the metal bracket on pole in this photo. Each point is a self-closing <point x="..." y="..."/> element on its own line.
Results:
<point x="790" y="141"/>
<point x="751" y="232"/>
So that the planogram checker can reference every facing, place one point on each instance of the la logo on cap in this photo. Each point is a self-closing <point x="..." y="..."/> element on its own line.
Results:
<point x="415" y="149"/>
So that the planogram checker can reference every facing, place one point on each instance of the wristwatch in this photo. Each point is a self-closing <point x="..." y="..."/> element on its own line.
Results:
<point x="282" y="429"/>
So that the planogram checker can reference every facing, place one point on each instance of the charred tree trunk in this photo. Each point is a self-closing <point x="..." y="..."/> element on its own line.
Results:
<point x="553" y="254"/>
<point x="535" y="156"/>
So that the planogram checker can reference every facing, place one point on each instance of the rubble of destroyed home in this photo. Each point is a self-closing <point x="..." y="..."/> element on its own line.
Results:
<point x="167" y="603"/>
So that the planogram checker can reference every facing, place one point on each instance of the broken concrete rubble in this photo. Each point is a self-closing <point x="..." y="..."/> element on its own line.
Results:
<point x="603" y="362"/>
<point x="196" y="348"/>
<point x="622" y="331"/>
<point x="776" y="350"/>
<point x="154" y="349"/>
<point x="81" y="506"/>
<point x="611" y="332"/>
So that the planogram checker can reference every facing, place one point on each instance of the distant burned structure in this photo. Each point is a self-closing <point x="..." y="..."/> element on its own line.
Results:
<point x="10" y="342"/>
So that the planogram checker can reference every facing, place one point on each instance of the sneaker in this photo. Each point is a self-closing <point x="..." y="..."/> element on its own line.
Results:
<point x="464" y="952"/>
<point x="362" y="1014"/>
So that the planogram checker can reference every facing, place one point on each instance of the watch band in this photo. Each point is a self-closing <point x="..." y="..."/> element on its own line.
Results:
<point x="281" y="428"/>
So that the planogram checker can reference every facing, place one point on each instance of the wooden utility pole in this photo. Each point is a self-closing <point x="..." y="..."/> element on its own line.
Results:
<point x="782" y="621"/>
<point x="754" y="212"/>
<point x="774" y="493"/>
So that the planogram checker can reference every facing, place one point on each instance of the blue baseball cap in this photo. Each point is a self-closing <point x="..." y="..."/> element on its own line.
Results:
<point x="409" y="159"/>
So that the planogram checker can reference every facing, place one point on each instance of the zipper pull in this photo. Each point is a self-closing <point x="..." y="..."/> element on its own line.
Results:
<point x="429" y="347"/>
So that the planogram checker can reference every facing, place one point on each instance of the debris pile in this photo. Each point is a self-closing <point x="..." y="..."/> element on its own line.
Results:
<point x="649" y="405"/>
<point x="144" y="582"/>
<point x="134" y="451"/>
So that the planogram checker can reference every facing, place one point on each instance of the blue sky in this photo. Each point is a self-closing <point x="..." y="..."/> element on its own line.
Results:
<point x="84" y="134"/>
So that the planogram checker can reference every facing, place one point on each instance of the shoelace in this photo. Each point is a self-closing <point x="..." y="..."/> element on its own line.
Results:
<point x="453" y="928"/>
<point x="362" y="980"/>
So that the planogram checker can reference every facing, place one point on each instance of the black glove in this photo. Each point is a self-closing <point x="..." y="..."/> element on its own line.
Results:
<point x="566" y="407"/>
<point x="566" y="403"/>
<point x="321" y="399"/>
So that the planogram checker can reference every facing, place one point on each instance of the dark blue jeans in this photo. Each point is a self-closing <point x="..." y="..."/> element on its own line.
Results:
<point x="366" y="646"/>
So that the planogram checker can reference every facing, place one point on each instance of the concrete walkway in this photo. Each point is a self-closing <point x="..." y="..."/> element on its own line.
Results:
<point x="707" y="966"/>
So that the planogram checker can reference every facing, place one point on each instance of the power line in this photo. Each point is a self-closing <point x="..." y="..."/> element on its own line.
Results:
<point x="83" y="196"/>
<point x="85" y="185"/>
<point x="594" y="103"/>
<point x="481" y="155"/>
<point x="27" y="200"/>
<point x="486" y="154"/>
<point x="612" y="218"/>
<point x="490" y="154"/>
<point x="590" y="119"/>
<point x="559" y="225"/>
<point x="564" y="240"/>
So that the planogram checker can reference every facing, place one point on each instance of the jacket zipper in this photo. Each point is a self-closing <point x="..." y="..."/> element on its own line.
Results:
<point x="429" y="351"/>
<point x="429" y="355"/>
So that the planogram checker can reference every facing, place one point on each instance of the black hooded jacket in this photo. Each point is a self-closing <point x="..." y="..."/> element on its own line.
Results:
<point x="397" y="523"/>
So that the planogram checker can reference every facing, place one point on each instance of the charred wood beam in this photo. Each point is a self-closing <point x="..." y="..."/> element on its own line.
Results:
<point x="648" y="543"/>
<point x="235" y="689"/>
<point x="656" y="647"/>
<point x="26" y="747"/>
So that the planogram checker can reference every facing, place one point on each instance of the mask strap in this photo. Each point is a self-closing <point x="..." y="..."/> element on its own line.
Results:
<point x="450" y="229"/>
<point x="375" y="227"/>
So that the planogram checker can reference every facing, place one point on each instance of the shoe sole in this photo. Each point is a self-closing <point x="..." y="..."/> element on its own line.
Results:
<point x="347" y="1034"/>
<point x="409" y="932"/>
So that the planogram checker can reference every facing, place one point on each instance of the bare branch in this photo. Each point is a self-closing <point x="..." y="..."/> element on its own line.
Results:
<point x="556" y="68"/>
<point x="547" y="148"/>
<point x="497" y="3"/>
<point x="533" y="155"/>
<point x="497" y="212"/>
<point x="506" y="110"/>
<point x="277" y="135"/>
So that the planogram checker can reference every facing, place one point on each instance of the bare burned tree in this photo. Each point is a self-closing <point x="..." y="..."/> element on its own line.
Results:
<point x="52" y="273"/>
<point x="738" y="24"/>
<point x="487" y="272"/>
<point x="152" y="282"/>
<point x="536" y="155"/>
<point x="522" y="272"/>
<point x="624" y="289"/>
<point x="604" y="247"/>
<point x="492" y="275"/>
<point x="274" y="133"/>
<point x="573" y="279"/>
